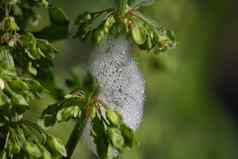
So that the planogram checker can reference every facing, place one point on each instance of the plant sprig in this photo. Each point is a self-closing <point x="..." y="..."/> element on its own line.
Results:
<point x="26" y="72"/>
<point x="109" y="132"/>
<point x="146" y="34"/>
<point x="111" y="135"/>
<point x="26" y="64"/>
<point x="26" y="139"/>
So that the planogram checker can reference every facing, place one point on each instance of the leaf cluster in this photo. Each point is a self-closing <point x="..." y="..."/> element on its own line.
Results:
<point x="109" y="132"/>
<point x="24" y="61"/>
<point x="58" y="28"/>
<point x="74" y="105"/>
<point x="25" y="139"/>
<point x="24" y="11"/>
<point x="26" y="64"/>
<point x="26" y="73"/>
<point x="146" y="34"/>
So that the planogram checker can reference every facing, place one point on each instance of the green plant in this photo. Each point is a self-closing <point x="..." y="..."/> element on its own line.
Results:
<point x="26" y="73"/>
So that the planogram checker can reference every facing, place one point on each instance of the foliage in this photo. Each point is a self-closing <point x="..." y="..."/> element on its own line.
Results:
<point x="26" y="73"/>
<point x="145" y="33"/>
<point x="26" y="64"/>
<point x="110" y="134"/>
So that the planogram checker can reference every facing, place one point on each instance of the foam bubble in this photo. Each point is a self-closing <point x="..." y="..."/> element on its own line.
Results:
<point x="121" y="83"/>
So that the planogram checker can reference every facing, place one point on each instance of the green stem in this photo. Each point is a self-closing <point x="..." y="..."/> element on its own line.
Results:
<point x="123" y="7"/>
<point x="75" y="136"/>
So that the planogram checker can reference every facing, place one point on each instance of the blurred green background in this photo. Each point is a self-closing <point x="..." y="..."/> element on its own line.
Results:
<point x="189" y="113"/>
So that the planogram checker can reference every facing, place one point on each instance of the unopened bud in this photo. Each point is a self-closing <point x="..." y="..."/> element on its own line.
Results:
<point x="2" y="85"/>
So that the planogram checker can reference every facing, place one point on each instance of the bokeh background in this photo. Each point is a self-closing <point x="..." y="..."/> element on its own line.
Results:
<point x="191" y="91"/>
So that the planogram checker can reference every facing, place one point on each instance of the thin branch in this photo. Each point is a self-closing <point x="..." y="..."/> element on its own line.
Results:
<point x="78" y="129"/>
<point x="122" y="6"/>
<point x="75" y="137"/>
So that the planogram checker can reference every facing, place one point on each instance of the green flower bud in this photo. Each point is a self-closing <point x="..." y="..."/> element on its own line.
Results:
<point x="113" y="117"/>
<point x="116" y="138"/>
<point x="98" y="35"/>
<point x="56" y="146"/>
<point x="45" y="154"/>
<point x="15" y="147"/>
<point x="2" y="84"/>
<point x="33" y="150"/>
<point x="138" y="34"/>
<point x="9" y="24"/>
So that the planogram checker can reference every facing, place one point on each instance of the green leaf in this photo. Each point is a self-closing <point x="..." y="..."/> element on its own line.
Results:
<point x="18" y="85"/>
<point x="20" y="109"/>
<point x="56" y="146"/>
<point x="47" y="48"/>
<point x="148" y="45"/>
<point x="138" y="34"/>
<point x="33" y="150"/>
<point x="113" y="117"/>
<point x="45" y="153"/>
<point x="110" y="21"/>
<point x="35" y="87"/>
<point x="98" y="35"/>
<point x="69" y="108"/>
<point x="59" y="27"/>
<point x="14" y="146"/>
<point x="145" y="33"/>
<point x="32" y="69"/>
<point x="3" y="154"/>
<point x="44" y="3"/>
<point x="19" y="99"/>
<point x="84" y="18"/>
<point x="128" y="135"/>
<point x="9" y="24"/>
<point x="68" y="113"/>
<point x="116" y="138"/>
<point x="57" y="16"/>
<point x="99" y="134"/>
<point x="2" y="84"/>
<point x="29" y="43"/>
<point x="26" y="139"/>
<point x="109" y="132"/>
<point x="6" y="59"/>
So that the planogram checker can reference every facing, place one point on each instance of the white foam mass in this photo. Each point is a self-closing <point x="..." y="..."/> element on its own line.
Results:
<point x="121" y="83"/>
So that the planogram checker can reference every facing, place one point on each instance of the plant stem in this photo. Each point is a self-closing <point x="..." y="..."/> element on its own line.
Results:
<point x="75" y="136"/>
<point x="122" y="6"/>
<point x="78" y="128"/>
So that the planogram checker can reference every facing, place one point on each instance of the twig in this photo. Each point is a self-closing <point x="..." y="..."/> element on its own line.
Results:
<point x="75" y="137"/>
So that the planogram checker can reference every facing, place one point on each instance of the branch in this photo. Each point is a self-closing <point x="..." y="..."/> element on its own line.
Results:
<point x="122" y="7"/>
<point x="78" y="130"/>
<point x="75" y="137"/>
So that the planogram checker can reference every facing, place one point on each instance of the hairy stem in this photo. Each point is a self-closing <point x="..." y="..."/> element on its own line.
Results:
<point x="78" y="128"/>
<point x="75" y="136"/>
<point x="122" y="6"/>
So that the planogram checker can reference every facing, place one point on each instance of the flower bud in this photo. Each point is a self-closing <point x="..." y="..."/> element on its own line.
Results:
<point x="2" y="85"/>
